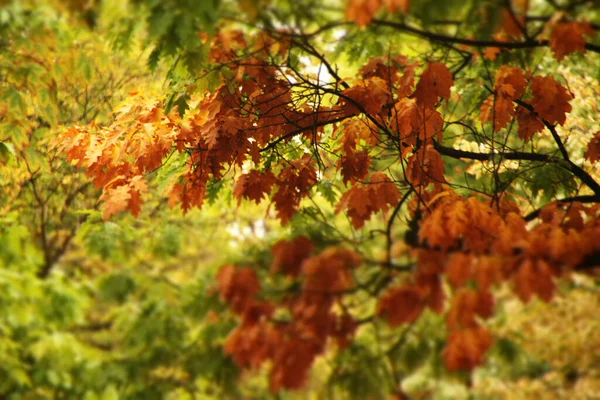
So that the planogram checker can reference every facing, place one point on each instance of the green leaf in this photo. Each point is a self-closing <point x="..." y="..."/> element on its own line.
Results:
<point x="6" y="151"/>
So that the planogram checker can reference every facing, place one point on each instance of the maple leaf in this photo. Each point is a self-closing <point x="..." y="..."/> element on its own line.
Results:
<point x="291" y="364"/>
<point x="467" y="305"/>
<point x="401" y="305"/>
<point x="513" y="24"/>
<point x="487" y="271"/>
<point x="435" y="82"/>
<point x="550" y="99"/>
<point x="568" y="37"/>
<point x="329" y="272"/>
<point x="251" y="345"/>
<point x="385" y="191"/>
<point x="362" y="200"/>
<point x="593" y="150"/>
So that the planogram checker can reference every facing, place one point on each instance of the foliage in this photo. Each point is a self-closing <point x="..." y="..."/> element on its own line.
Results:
<point x="406" y="170"/>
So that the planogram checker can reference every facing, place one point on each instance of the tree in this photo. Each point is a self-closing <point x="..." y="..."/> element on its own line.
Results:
<point x="424" y="156"/>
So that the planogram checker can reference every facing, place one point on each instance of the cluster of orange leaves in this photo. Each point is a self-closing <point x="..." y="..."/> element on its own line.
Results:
<point x="471" y="245"/>
<point x="549" y="102"/>
<point x="477" y="246"/>
<point x="231" y="127"/>
<point x="291" y="344"/>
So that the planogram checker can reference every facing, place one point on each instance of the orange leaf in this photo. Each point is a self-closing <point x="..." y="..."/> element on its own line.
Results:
<point x="401" y="305"/>
<point x="593" y="151"/>
<point x="354" y="165"/>
<point x="465" y="348"/>
<point x="511" y="76"/>
<point x="529" y="123"/>
<point x="426" y="166"/>
<point x="288" y="255"/>
<point x="459" y="268"/>
<point x="550" y="99"/>
<point x="253" y="186"/>
<point x="534" y="277"/>
<point x="238" y="286"/>
<point x="435" y="82"/>
<point x="568" y="37"/>
<point x="116" y="199"/>
<point x="362" y="11"/>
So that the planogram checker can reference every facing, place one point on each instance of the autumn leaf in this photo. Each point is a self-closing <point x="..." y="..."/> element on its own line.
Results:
<point x="534" y="277"/>
<point x="513" y="77"/>
<point x="593" y="151"/>
<point x="459" y="268"/>
<point x="529" y="123"/>
<point x="393" y="5"/>
<point x="465" y="349"/>
<point x="238" y="286"/>
<point x="550" y="99"/>
<point x="288" y="255"/>
<point x="369" y="95"/>
<point x="116" y="199"/>
<point x="435" y="82"/>
<point x="401" y="305"/>
<point x="354" y="165"/>
<point x="362" y="12"/>
<point x="253" y="186"/>
<point x="426" y="166"/>
<point x="362" y="200"/>
<point x="569" y="37"/>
